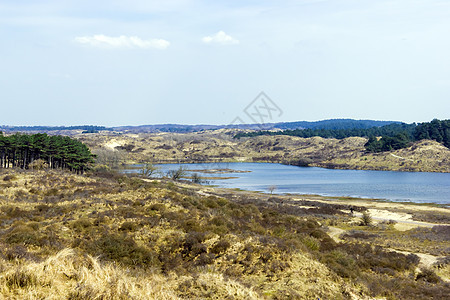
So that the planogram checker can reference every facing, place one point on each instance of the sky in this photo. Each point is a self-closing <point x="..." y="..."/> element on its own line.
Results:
<point x="141" y="62"/>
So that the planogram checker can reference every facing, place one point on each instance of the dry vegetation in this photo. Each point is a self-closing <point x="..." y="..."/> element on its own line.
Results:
<point x="109" y="236"/>
<point x="213" y="146"/>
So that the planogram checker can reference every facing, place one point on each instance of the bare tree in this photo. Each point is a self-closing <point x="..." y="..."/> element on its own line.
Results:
<point x="177" y="174"/>
<point x="272" y="188"/>
<point x="148" y="169"/>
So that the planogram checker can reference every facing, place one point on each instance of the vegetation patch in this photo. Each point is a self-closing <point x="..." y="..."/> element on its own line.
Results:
<point x="112" y="236"/>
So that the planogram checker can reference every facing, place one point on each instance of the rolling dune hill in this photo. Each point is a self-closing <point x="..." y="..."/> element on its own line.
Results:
<point x="213" y="146"/>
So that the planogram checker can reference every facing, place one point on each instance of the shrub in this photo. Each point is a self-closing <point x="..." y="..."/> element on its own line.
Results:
<point x="23" y="234"/>
<point x="157" y="207"/>
<point x="81" y="224"/>
<point x="303" y="162"/>
<point x="128" y="226"/>
<point x="413" y="259"/>
<point x="340" y="262"/>
<point x="193" y="244"/>
<point x="18" y="252"/>
<point x="196" y="178"/>
<point x="311" y="243"/>
<point x="15" y="212"/>
<point x="220" y="247"/>
<point x="359" y="234"/>
<point x="38" y="164"/>
<point x="211" y="202"/>
<point x="204" y="259"/>
<point x="9" y="177"/>
<point x="428" y="275"/>
<point x="369" y="257"/>
<point x="366" y="219"/>
<point x="20" y="279"/>
<point x="192" y="224"/>
<point x="123" y="249"/>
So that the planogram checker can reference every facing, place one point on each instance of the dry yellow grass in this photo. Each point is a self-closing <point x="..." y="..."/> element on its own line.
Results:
<point x="70" y="275"/>
<point x="109" y="236"/>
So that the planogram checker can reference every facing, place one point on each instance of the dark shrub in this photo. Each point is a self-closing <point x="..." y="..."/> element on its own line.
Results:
<point x="359" y="234"/>
<point x="81" y="224"/>
<point x="23" y="234"/>
<point x="128" y="226"/>
<point x="204" y="259"/>
<point x="157" y="207"/>
<point x="193" y="244"/>
<point x="20" y="279"/>
<point x="18" y="252"/>
<point x="9" y="177"/>
<point x="123" y="249"/>
<point x="428" y="275"/>
<point x="341" y="263"/>
<point x="220" y="247"/>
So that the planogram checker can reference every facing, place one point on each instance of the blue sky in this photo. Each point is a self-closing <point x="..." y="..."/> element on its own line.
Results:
<point x="202" y="62"/>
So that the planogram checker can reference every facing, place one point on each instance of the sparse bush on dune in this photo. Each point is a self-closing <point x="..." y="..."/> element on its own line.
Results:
<point x="428" y="275"/>
<point x="366" y="219"/>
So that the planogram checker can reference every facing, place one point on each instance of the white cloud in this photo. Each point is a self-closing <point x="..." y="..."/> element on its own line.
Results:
<point x="220" y="38"/>
<point x="100" y="40"/>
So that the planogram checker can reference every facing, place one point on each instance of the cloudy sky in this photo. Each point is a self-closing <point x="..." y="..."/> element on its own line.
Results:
<point x="203" y="62"/>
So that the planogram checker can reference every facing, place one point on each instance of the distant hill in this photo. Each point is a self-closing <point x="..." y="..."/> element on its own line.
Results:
<point x="87" y="128"/>
<point x="168" y="128"/>
<point x="324" y="124"/>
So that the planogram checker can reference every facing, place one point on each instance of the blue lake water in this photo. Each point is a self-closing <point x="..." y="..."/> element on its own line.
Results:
<point x="418" y="187"/>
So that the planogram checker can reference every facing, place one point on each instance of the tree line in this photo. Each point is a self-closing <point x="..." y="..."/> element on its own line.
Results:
<point x="387" y="130"/>
<point x="58" y="152"/>
<point x="383" y="138"/>
<point x="334" y="124"/>
<point x="435" y="130"/>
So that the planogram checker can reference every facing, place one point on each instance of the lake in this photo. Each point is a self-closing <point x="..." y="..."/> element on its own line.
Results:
<point x="417" y="187"/>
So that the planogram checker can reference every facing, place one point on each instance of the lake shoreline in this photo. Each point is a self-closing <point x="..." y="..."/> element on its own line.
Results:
<point x="407" y="215"/>
<point x="312" y="165"/>
<point x="414" y="187"/>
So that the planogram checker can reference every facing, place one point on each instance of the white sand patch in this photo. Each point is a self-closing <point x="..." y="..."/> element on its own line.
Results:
<point x="203" y="193"/>
<point x="112" y="144"/>
<point x="379" y="214"/>
<point x="396" y="156"/>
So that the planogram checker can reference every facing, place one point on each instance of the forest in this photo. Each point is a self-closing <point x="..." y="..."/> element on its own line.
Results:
<point x="56" y="152"/>
<point x="334" y="124"/>
<point x="387" y="130"/>
<point x="393" y="136"/>
<point x="435" y="130"/>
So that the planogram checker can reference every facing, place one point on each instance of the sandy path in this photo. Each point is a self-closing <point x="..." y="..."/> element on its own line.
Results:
<point x="386" y="211"/>
<point x="404" y="221"/>
<point x="335" y="233"/>
<point x="396" y="156"/>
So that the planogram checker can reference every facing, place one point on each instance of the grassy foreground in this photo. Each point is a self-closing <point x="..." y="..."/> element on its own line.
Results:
<point x="109" y="236"/>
